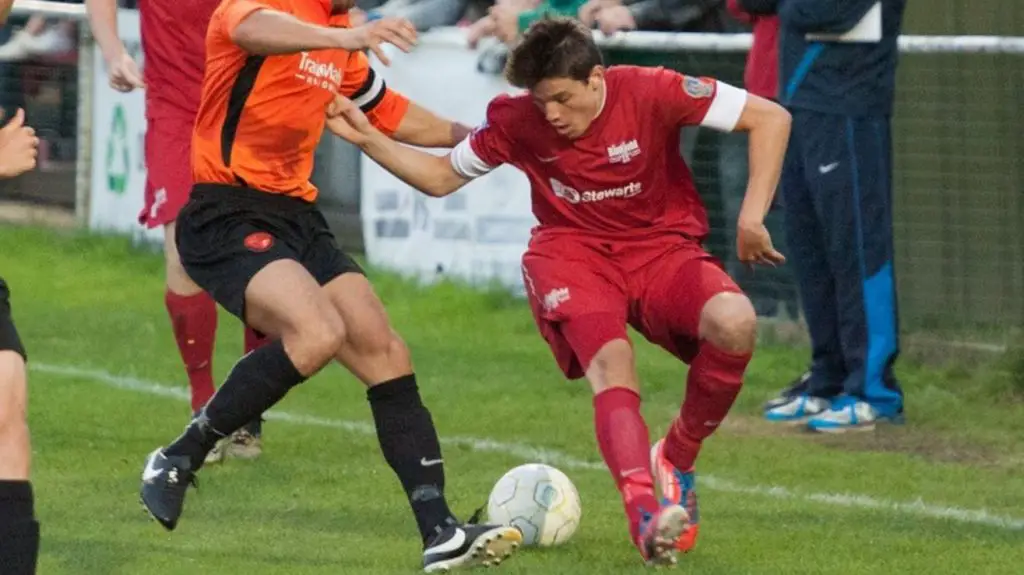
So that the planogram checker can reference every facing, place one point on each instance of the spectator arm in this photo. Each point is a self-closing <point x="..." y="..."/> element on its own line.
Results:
<point x="674" y="14"/>
<point x="758" y="7"/>
<point x="835" y="16"/>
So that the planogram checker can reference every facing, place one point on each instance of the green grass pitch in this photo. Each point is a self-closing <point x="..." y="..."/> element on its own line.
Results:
<point x="942" y="494"/>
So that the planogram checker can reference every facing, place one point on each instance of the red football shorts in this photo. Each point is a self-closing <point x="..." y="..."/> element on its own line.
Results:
<point x="658" y="286"/>
<point x="168" y="169"/>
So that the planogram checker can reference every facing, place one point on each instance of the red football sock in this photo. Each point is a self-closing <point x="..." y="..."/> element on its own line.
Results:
<point x="714" y="381"/>
<point x="253" y="339"/>
<point x="625" y="445"/>
<point x="194" y="320"/>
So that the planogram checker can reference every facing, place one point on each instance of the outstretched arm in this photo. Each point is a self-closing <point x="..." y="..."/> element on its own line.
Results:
<point x="122" y="71"/>
<point x="392" y="113"/>
<point x="768" y="125"/>
<point x="264" y="31"/>
<point x="430" y="174"/>
<point x="433" y="175"/>
<point x="259" y="29"/>
<point x="688" y="100"/>
<point x="421" y="127"/>
<point x="103" y="24"/>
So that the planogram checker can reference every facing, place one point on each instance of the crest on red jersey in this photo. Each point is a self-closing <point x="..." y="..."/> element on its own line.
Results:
<point x="698" y="87"/>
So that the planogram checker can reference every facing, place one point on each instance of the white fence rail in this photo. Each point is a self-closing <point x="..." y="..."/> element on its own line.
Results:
<point x="99" y="107"/>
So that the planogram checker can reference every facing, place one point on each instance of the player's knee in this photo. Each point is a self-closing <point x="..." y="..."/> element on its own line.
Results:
<point x="316" y="341"/>
<point x="381" y="346"/>
<point x="371" y="338"/>
<point x="729" y="322"/>
<point x="395" y="361"/>
<point x="614" y="365"/>
<point x="327" y="337"/>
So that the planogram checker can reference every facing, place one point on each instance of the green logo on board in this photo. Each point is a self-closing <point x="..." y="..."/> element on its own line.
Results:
<point x="118" y="161"/>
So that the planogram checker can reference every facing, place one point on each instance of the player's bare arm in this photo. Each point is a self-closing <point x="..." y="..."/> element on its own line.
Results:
<point x="394" y="114"/>
<point x="267" y="32"/>
<point x="768" y="125"/>
<point x="421" y="127"/>
<point x="428" y="173"/>
<point x="122" y="71"/>
<point x="19" y="147"/>
<point x="717" y="105"/>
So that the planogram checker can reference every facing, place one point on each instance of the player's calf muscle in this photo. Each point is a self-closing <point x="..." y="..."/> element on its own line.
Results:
<point x="728" y="321"/>
<point x="15" y="453"/>
<point x="14" y="439"/>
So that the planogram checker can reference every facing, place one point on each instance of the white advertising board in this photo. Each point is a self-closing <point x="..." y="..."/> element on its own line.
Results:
<point x="477" y="234"/>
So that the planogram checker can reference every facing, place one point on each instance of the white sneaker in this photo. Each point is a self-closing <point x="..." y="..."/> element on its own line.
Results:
<point x="850" y="414"/>
<point x="17" y="48"/>
<point x="53" y="40"/>
<point x="797" y="410"/>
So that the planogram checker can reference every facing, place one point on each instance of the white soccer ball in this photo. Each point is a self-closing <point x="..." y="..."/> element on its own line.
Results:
<point x="539" y="500"/>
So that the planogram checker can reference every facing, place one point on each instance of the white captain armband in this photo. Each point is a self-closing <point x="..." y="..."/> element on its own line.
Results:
<point x="726" y="108"/>
<point x="371" y="92"/>
<point x="466" y="162"/>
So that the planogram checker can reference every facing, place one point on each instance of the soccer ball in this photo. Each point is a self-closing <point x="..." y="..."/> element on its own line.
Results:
<point x="539" y="500"/>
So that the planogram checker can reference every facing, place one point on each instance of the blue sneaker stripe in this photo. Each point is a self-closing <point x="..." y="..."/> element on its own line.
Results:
<point x="686" y="485"/>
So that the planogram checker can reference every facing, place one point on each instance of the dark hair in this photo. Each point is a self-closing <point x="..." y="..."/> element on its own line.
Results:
<point x="553" y="48"/>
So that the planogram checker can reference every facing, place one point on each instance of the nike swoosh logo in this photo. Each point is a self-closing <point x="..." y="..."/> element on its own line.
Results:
<point x="547" y="160"/>
<point x="430" y="462"/>
<point x="828" y="168"/>
<point x="453" y="544"/>
<point x="629" y="472"/>
<point x="150" y="473"/>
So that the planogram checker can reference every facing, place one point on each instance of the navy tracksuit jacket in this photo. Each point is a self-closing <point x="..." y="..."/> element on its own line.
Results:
<point x="837" y="192"/>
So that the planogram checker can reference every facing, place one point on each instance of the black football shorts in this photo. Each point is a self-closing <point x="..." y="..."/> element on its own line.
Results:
<point x="226" y="234"/>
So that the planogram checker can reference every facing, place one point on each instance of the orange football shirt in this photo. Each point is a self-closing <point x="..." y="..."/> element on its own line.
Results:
<point x="261" y="117"/>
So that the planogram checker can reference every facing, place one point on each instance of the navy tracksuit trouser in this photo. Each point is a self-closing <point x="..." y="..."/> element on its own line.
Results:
<point x="837" y="189"/>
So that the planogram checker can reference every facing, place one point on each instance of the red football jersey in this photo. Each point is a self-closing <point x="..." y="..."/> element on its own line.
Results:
<point x="174" y="48"/>
<point x="625" y="177"/>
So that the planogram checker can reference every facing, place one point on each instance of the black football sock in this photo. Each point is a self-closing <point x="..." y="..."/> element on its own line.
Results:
<point x="257" y="382"/>
<point x="255" y="427"/>
<point x="409" y="443"/>
<point x="19" y="530"/>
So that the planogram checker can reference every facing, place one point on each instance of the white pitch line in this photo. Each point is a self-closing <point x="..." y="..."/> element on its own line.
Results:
<point x="560" y="459"/>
